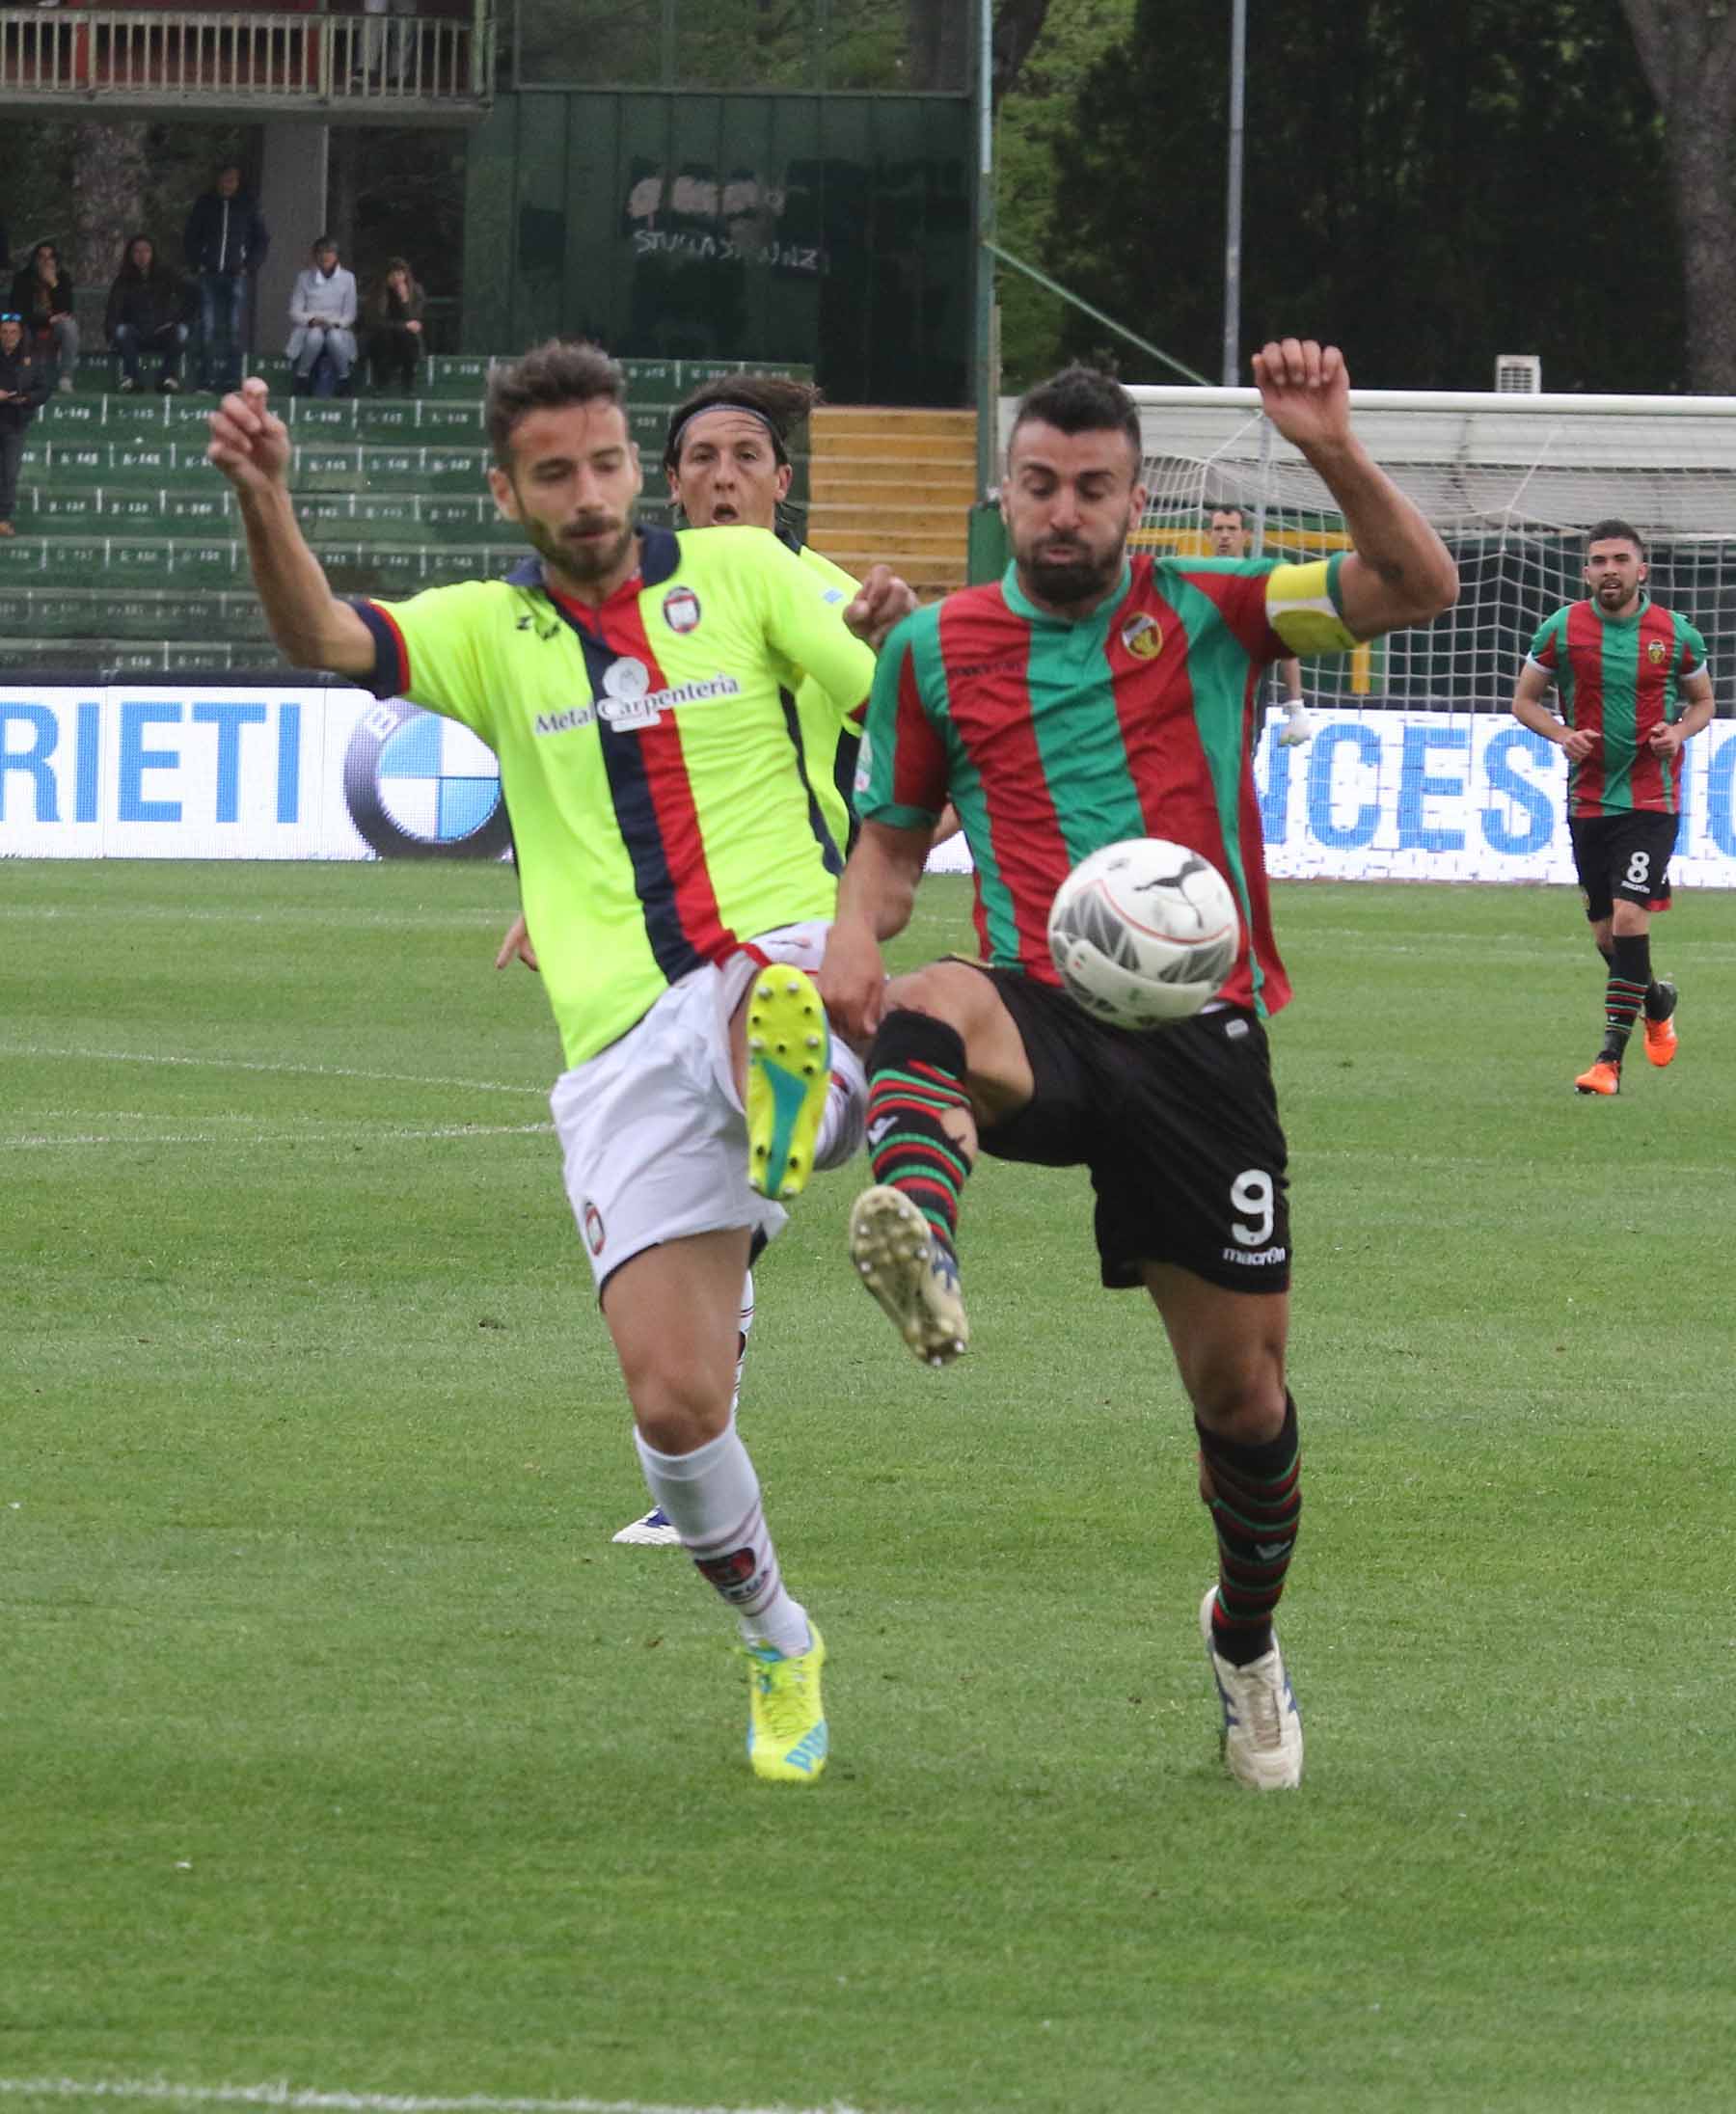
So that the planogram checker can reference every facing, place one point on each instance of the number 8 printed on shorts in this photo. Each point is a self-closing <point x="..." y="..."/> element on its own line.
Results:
<point x="1639" y="873"/>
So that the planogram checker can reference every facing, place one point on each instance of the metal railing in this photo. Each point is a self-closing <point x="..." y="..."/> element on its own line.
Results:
<point x="287" y="58"/>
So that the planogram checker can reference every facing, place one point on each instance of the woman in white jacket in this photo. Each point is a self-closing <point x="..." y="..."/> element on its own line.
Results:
<point x="322" y="345"/>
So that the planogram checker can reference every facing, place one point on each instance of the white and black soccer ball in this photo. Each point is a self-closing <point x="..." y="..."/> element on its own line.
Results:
<point x="1143" y="932"/>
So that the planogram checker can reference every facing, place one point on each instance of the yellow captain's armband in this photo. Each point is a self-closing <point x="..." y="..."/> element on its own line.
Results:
<point x="1302" y="606"/>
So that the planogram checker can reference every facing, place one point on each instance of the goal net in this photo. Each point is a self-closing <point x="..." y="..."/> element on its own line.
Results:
<point x="1418" y="769"/>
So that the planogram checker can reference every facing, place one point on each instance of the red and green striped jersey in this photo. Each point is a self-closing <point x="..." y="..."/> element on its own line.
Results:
<point x="1054" y="738"/>
<point x="1619" y="677"/>
<point x="654" y="762"/>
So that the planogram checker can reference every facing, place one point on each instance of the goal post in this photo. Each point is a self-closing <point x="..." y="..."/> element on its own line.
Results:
<point x="1418" y="769"/>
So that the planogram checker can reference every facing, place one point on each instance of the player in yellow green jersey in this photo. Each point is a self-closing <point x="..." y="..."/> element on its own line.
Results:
<point x="728" y="461"/>
<point x="629" y="681"/>
<point x="726" y="457"/>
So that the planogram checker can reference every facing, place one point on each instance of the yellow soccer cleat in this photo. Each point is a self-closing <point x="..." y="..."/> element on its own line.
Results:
<point x="789" y="1076"/>
<point x="786" y="1719"/>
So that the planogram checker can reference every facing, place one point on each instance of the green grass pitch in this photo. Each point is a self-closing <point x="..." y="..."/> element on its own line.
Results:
<point x="342" y="1750"/>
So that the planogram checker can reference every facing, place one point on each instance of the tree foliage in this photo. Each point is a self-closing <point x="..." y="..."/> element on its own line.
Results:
<point x="1426" y="186"/>
<point x="1688" y="55"/>
<point x="1035" y="113"/>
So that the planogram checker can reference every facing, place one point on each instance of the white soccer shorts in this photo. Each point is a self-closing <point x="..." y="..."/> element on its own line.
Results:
<point x="652" y="1131"/>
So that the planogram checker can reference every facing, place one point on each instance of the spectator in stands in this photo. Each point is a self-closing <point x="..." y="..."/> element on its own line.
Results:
<point x="24" y="385"/>
<point x="147" y="313"/>
<point x="41" y="293"/>
<point x="226" y="242"/>
<point x="322" y="345"/>
<point x="395" y="328"/>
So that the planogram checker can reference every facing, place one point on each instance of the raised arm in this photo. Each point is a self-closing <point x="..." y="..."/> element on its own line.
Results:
<point x="251" y="446"/>
<point x="1399" y="571"/>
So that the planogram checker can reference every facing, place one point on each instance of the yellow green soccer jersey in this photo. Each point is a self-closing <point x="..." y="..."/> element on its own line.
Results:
<point x="650" y="753"/>
<point x="831" y="772"/>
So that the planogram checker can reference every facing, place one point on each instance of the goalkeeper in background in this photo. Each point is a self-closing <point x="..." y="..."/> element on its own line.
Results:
<point x="1230" y="536"/>
<point x="1633" y="686"/>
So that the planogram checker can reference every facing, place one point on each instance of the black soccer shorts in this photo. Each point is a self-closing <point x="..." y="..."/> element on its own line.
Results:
<point x="1179" y="1127"/>
<point x="1626" y="856"/>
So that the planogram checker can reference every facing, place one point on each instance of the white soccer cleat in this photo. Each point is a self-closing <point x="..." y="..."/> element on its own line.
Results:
<point x="1262" y="1728"/>
<point x="655" y="1531"/>
<point x="912" y="1271"/>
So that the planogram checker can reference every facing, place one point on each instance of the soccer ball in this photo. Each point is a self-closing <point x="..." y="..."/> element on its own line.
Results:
<point x="1143" y="932"/>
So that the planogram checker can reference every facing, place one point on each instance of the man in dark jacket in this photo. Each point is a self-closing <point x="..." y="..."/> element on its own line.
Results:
<point x="23" y="390"/>
<point x="41" y="295"/>
<point x="226" y="243"/>
<point x="146" y="313"/>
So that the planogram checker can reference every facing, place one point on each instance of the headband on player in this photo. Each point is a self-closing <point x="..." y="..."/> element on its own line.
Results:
<point x="672" y="450"/>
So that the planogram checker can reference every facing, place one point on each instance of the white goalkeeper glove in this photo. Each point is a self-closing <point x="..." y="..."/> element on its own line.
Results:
<point x="1298" y="725"/>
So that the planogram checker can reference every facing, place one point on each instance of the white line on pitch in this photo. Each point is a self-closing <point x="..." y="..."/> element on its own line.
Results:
<point x="247" y="1064"/>
<point x="158" y="2090"/>
<point x="245" y="1139"/>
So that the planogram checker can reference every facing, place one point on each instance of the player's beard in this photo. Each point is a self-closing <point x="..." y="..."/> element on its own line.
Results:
<point x="1082" y="576"/>
<point x="580" y="563"/>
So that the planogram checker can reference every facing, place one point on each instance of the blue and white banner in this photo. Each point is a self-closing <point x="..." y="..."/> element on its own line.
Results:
<point x="153" y="770"/>
<point x="1388" y="795"/>
<point x="278" y="773"/>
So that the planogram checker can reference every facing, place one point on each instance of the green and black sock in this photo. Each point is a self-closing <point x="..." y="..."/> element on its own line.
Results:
<point x="916" y="1075"/>
<point x="1625" y="993"/>
<point x="1255" y="1506"/>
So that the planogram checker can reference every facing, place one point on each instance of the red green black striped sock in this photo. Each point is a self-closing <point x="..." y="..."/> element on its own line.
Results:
<point x="1624" y="992"/>
<point x="1255" y="1506"/>
<point x="916" y="1075"/>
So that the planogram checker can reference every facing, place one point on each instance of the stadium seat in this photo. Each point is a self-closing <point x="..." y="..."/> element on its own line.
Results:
<point x="130" y="554"/>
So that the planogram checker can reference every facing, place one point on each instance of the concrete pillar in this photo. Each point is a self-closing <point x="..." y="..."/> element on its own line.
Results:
<point x="292" y="197"/>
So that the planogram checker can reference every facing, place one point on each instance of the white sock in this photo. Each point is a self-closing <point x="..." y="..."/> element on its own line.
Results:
<point x="713" y="1497"/>
<point x="846" y="1116"/>
<point x="746" y="1322"/>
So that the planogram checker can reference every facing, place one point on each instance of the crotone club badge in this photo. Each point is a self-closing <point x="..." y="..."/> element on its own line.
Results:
<point x="1142" y="637"/>
<point x="681" y="609"/>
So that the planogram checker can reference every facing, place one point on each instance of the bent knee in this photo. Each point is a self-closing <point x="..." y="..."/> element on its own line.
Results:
<point x="1239" y="1395"/>
<point x="677" y="1407"/>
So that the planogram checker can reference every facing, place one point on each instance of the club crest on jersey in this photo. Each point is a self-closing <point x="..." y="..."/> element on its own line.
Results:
<point x="1142" y="637"/>
<point x="593" y="1227"/>
<point x="1654" y="652"/>
<point x="681" y="609"/>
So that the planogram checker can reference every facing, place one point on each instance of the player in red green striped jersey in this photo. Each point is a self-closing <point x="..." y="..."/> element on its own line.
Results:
<point x="1083" y="700"/>
<point x="675" y="876"/>
<point x="1634" y="687"/>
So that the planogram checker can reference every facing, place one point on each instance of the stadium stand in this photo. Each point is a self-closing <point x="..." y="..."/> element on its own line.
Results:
<point x="894" y="486"/>
<point x="128" y="556"/>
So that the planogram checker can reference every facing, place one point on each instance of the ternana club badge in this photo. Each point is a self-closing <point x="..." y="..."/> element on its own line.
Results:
<point x="1142" y="637"/>
<point x="1654" y="651"/>
<point x="681" y="609"/>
